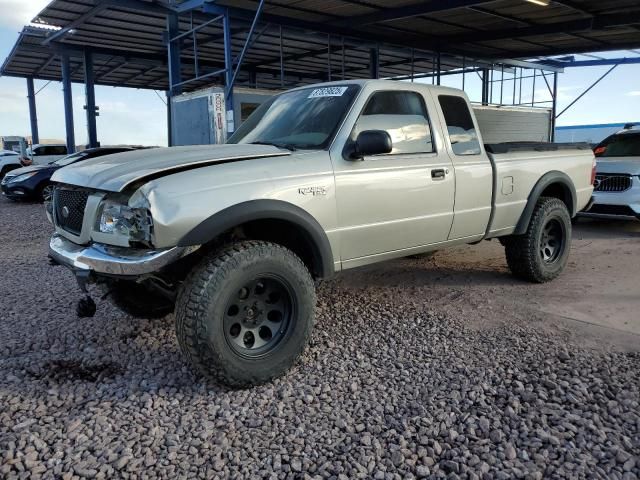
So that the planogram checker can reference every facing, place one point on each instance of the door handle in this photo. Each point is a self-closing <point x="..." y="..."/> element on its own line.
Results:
<point x="438" y="174"/>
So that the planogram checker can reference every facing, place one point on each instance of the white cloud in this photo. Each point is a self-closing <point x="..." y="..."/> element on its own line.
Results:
<point x="16" y="13"/>
<point x="634" y="93"/>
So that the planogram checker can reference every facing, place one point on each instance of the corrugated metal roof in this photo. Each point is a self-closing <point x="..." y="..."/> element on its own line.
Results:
<point x="127" y="37"/>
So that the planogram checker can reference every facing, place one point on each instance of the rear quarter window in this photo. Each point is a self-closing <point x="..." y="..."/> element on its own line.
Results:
<point x="462" y="132"/>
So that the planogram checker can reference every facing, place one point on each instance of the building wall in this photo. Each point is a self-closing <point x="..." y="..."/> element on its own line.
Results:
<point x="587" y="133"/>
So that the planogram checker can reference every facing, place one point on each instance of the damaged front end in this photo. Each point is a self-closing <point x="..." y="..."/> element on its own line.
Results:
<point x="103" y="237"/>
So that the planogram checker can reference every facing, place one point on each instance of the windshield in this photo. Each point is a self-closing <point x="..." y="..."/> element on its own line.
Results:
<point x="620" y="145"/>
<point x="69" y="159"/>
<point x="306" y="118"/>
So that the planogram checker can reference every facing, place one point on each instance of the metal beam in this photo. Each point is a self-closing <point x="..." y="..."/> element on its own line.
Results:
<point x="103" y="5"/>
<point x="600" y="62"/>
<point x="46" y="64"/>
<point x="68" y="104"/>
<point x="90" y="100"/>
<point x="391" y="14"/>
<point x="247" y="43"/>
<point x="583" y="24"/>
<point x="76" y="23"/>
<point x="33" y="116"/>
<point x="587" y="90"/>
<point x="113" y="70"/>
<point x="575" y="50"/>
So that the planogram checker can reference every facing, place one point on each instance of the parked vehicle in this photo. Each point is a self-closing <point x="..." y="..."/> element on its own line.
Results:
<point x="235" y="235"/>
<point x="34" y="182"/>
<point x="12" y="143"/>
<point x="9" y="160"/>
<point x="43" y="154"/>
<point x="617" y="185"/>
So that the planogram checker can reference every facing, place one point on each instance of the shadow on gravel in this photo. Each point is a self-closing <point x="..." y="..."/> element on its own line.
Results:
<point x="421" y="273"/>
<point x="69" y="370"/>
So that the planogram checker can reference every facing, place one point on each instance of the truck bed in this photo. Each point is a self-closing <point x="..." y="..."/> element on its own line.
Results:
<point x="517" y="167"/>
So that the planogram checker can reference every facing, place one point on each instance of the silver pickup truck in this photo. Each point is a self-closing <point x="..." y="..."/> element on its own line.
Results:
<point x="318" y="180"/>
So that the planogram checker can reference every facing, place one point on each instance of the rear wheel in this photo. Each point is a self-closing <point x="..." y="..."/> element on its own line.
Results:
<point x="245" y="313"/>
<point x="541" y="253"/>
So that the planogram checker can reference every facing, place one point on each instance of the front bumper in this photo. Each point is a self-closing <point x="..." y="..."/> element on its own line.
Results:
<point x="112" y="261"/>
<point x="624" y="204"/>
<point x="16" y="191"/>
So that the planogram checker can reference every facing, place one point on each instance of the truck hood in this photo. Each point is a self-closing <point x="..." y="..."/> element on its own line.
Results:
<point x="115" y="172"/>
<point x="628" y="165"/>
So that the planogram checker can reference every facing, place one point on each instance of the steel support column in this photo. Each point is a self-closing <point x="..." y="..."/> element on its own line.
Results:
<point x="173" y="48"/>
<point x="554" y="107"/>
<point x="175" y="74"/>
<point x="439" y="67"/>
<point x="33" y="116"/>
<point x="485" y="86"/>
<point x="169" y="120"/>
<point x="374" y="63"/>
<point x="68" y="103"/>
<point x="90" y="100"/>
<point x="228" y="76"/>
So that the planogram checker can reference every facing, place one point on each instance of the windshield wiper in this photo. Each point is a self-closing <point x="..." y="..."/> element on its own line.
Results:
<point x="286" y="146"/>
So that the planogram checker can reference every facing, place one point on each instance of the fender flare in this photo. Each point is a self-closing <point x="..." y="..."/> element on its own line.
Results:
<point x="251" y="210"/>
<point x="549" y="178"/>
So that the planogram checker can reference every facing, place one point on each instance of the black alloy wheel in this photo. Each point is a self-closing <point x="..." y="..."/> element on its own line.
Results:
<point x="552" y="241"/>
<point x="258" y="316"/>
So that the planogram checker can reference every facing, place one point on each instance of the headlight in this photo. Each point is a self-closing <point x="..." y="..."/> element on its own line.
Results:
<point x="21" y="178"/>
<point x="121" y="220"/>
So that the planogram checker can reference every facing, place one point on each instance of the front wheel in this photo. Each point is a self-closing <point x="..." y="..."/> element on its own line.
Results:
<point x="245" y="314"/>
<point x="45" y="193"/>
<point x="541" y="253"/>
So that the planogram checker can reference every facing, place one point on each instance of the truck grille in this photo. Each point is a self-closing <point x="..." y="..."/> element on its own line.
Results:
<point x="612" y="183"/>
<point x="68" y="206"/>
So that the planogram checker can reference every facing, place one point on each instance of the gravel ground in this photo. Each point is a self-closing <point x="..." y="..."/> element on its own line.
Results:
<point x="393" y="386"/>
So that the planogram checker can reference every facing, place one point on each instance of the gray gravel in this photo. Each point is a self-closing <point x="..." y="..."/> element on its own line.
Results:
<point x="390" y="388"/>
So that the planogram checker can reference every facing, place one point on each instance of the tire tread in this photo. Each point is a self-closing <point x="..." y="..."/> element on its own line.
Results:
<point x="192" y="303"/>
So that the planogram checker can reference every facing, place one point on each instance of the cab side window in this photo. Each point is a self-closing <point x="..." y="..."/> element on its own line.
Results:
<point x="462" y="133"/>
<point x="403" y="115"/>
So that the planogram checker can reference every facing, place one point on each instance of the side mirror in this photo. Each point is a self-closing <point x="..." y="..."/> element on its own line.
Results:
<point x="370" y="142"/>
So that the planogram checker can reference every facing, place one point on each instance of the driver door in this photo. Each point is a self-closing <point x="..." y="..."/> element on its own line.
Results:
<point x="396" y="201"/>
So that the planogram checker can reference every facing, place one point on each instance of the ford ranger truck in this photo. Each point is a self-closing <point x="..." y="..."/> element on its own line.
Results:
<point x="320" y="179"/>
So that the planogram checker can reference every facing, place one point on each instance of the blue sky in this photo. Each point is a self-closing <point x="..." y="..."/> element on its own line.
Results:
<point x="139" y="117"/>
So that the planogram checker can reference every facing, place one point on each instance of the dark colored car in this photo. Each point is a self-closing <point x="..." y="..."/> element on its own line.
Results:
<point x="34" y="182"/>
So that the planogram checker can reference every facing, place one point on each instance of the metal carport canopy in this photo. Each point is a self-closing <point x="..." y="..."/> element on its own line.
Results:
<point x="185" y="45"/>
<point x="127" y="36"/>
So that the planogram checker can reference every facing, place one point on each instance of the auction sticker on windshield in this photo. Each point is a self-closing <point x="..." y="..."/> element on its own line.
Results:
<point x="327" y="92"/>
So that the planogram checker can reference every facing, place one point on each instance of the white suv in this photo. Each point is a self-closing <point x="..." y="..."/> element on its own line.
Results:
<point x="9" y="160"/>
<point x="617" y="183"/>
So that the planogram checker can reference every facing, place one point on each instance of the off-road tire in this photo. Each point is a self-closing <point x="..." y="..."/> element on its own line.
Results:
<point x="523" y="251"/>
<point x="138" y="300"/>
<point x="202" y="306"/>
